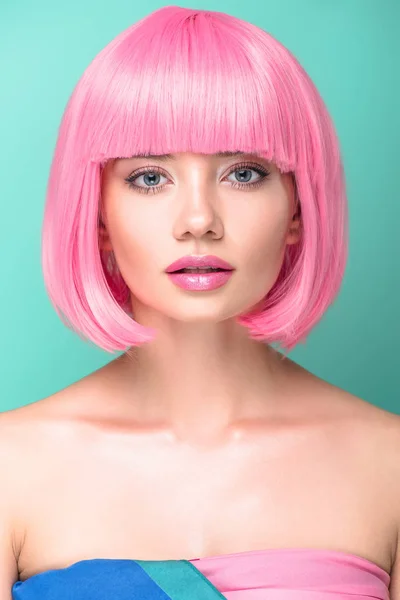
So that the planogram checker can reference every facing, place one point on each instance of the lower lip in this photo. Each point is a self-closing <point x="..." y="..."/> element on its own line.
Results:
<point x="200" y="281"/>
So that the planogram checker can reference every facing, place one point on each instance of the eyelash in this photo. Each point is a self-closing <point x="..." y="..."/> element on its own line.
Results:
<point x="236" y="184"/>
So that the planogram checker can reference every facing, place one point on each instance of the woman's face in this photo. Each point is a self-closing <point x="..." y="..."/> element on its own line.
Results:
<point x="238" y="207"/>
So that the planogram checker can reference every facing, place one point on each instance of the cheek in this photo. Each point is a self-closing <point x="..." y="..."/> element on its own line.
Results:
<point x="263" y="239"/>
<point x="133" y="235"/>
<point x="136" y="257"/>
<point x="262" y="253"/>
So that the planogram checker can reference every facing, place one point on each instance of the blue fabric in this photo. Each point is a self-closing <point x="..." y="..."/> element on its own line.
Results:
<point x="95" y="579"/>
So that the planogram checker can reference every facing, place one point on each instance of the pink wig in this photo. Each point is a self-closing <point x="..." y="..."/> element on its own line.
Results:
<point x="185" y="80"/>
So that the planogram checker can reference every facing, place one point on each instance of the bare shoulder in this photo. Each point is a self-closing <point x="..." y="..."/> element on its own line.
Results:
<point x="33" y="439"/>
<point x="367" y="431"/>
<point x="376" y="433"/>
<point x="379" y="427"/>
<point x="32" y="436"/>
<point x="13" y="452"/>
<point x="366" y="439"/>
<point x="22" y="435"/>
<point x="333" y="402"/>
<point x="29" y="432"/>
<point x="66" y="406"/>
<point x="368" y="425"/>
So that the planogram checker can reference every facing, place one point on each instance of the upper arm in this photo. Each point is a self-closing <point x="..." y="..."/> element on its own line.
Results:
<point x="8" y="560"/>
<point x="8" y="557"/>
<point x="394" y="588"/>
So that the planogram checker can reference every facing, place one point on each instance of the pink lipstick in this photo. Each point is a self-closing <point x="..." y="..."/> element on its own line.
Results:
<point x="200" y="273"/>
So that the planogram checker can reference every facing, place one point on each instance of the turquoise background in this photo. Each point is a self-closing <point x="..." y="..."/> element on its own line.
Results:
<point x="349" y="49"/>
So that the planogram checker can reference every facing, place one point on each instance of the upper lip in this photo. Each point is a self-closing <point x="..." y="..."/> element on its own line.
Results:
<point x="200" y="262"/>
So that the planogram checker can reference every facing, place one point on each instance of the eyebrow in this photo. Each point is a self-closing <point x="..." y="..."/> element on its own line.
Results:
<point x="165" y="157"/>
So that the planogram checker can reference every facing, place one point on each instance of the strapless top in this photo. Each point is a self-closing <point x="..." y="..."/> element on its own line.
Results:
<point x="274" y="574"/>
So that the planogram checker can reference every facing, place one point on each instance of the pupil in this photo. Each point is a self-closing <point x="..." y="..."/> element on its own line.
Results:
<point x="243" y="177"/>
<point x="151" y="177"/>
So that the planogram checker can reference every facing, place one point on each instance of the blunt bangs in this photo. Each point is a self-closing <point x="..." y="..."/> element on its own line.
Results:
<point x="188" y="87"/>
<point x="185" y="80"/>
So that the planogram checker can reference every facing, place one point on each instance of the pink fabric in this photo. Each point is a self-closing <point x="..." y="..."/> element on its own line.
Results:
<point x="295" y="574"/>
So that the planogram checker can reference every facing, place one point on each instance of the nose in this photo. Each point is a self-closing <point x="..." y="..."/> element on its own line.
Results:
<point x="198" y="215"/>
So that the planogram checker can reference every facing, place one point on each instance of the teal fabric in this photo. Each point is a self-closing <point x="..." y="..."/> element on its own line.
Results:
<point x="119" y="579"/>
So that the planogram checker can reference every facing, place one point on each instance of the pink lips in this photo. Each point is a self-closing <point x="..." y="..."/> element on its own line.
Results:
<point x="200" y="281"/>
<point x="200" y="262"/>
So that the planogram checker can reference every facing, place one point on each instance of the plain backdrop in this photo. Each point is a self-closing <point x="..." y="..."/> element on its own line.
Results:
<point x="350" y="48"/>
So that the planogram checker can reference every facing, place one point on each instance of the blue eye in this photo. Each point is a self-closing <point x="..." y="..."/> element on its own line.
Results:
<point x="151" y="177"/>
<point x="245" y="176"/>
<point x="151" y="174"/>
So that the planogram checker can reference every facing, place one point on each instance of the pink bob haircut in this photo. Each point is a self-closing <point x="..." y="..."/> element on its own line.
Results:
<point x="186" y="80"/>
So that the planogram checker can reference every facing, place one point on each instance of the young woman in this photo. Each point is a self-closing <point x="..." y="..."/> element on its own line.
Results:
<point x="196" y="215"/>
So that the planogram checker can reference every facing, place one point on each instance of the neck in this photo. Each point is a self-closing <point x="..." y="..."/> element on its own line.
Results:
<point x="203" y="381"/>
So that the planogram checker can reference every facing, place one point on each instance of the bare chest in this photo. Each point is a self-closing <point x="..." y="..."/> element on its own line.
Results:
<point x="142" y="498"/>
